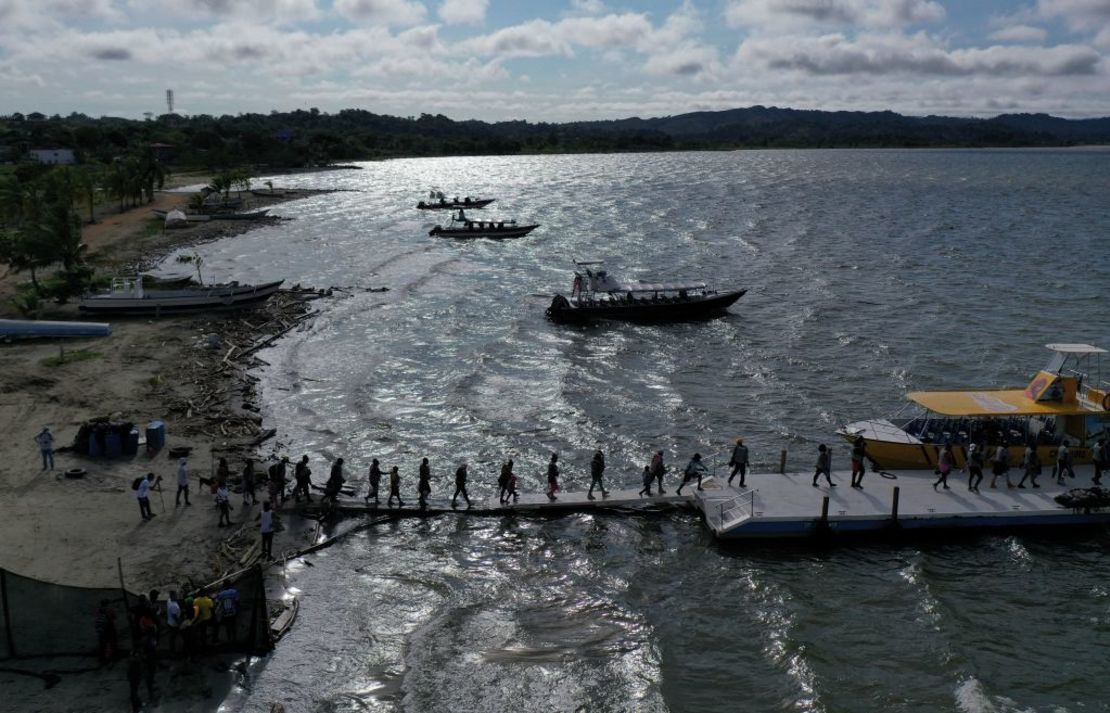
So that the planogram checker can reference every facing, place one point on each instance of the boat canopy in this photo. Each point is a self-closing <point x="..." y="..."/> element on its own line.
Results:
<point x="661" y="287"/>
<point x="1011" y="402"/>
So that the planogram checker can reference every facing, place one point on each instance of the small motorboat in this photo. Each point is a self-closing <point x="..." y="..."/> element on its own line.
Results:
<point x="438" y="201"/>
<point x="597" y="295"/>
<point x="462" y="227"/>
<point x="127" y="296"/>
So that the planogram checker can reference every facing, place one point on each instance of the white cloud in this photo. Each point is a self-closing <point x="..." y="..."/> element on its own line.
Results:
<point x="463" y="12"/>
<point x="257" y="10"/>
<point x="539" y="38"/>
<point x="388" y="12"/>
<point x="1081" y="15"/>
<point x="864" y="13"/>
<point x="587" y="7"/>
<point x="1019" y="33"/>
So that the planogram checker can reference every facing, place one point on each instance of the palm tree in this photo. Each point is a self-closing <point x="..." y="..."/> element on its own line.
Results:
<point x="89" y="178"/>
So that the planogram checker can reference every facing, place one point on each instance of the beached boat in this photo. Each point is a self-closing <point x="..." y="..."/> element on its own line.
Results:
<point x="129" y="297"/>
<point x="176" y="216"/>
<point x="462" y="227"/>
<point x="597" y="295"/>
<point x="1065" y="402"/>
<point x="438" y="201"/>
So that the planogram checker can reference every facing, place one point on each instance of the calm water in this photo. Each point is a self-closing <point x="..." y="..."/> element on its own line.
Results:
<point x="870" y="273"/>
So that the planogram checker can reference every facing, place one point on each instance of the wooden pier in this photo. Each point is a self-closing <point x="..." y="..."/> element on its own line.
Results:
<point x="531" y="503"/>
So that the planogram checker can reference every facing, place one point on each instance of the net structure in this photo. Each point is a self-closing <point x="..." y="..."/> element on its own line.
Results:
<point x="39" y="619"/>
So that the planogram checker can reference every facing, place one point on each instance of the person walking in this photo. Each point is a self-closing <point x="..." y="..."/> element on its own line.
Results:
<point x="266" y="529"/>
<point x="974" y="467"/>
<point x="460" y="486"/>
<point x="694" y="469"/>
<point x="823" y="466"/>
<point x="142" y="494"/>
<point x="182" y="483"/>
<point x="1001" y="466"/>
<point x="394" y="488"/>
<point x="278" y="475"/>
<point x="45" y="441"/>
<point x="510" y="482"/>
<point x="657" y="470"/>
<point x="553" y="477"/>
<point x="302" y="477"/>
<point x="249" y="498"/>
<point x="1031" y="465"/>
<point x="646" y="480"/>
<point x="201" y="623"/>
<point x="503" y="483"/>
<point x="375" y="480"/>
<point x="335" y="481"/>
<point x="1100" y="455"/>
<point x="223" y="472"/>
<point x="227" y="608"/>
<point x="944" y="466"/>
<point x="223" y="504"/>
<point x="739" y="462"/>
<point x="1063" y="463"/>
<point x="424" y="484"/>
<point x="173" y="621"/>
<point x="597" y="471"/>
<point x="859" y="456"/>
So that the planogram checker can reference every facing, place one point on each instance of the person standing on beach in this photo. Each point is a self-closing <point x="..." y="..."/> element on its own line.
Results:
<point x="1001" y="466"/>
<point x="597" y="470"/>
<point x="694" y="469"/>
<point x="227" y="606"/>
<point x="266" y="529"/>
<point x="182" y="483"/>
<point x="739" y="462"/>
<point x="944" y="466"/>
<point x="302" y="477"/>
<point x="657" y="470"/>
<point x="375" y="481"/>
<point x="460" y="486"/>
<point x="223" y="504"/>
<point x="45" y="441"/>
<point x="1031" y="465"/>
<point x="277" y="475"/>
<point x="646" y="479"/>
<point x="553" y="477"/>
<point x="859" y="455"/>
<point x="142" y="494"/>
<point x="248" y="483"/>
<point x="824" y="466"/>
<point x="202" y="619"/>
<point x="424" y="483"/>
<point x="974" y="467"/>
<point x="394" y="488"/>
<point x="173" y="621"/>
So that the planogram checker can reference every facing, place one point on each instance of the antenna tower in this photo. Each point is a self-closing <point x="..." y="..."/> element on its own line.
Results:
<point x="169" y="101"/>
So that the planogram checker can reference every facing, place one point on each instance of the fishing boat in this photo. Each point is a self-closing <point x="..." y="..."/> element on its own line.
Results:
<point x="129" y="297"/>
<point x="1065" y="402"/>
<point x="438" y="201"/>
<point x="463" y="227"/>
<point x="597" y="295"/>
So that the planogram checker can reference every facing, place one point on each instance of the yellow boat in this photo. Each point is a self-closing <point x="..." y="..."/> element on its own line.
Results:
<point x="1064" y="402"/>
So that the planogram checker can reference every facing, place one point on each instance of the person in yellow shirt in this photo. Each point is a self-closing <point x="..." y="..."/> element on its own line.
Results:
<point x="201" y="622"/>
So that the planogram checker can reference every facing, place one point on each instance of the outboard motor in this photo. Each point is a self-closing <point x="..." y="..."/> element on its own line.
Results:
<point x="559" y="305"/>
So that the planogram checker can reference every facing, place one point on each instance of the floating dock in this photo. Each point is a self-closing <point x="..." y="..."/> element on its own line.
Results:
<point x="780" y="506"/>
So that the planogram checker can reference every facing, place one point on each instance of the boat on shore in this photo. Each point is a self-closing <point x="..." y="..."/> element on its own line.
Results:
<point x="597" y="295"/>
<point x="1065" y="402"/>
<point x="177" y="216"/>
<point x="438" y="201"/>
<point x="463" y="227"/>
<point x="129" y="297"/>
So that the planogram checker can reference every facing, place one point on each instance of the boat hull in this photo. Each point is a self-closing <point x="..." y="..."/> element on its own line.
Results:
<point x="455" y="206"/>
<point x="685" y="310"/>
<point x="181" y="301"/>
<point x="499" y="234"/>
<point x="914" y="456"/>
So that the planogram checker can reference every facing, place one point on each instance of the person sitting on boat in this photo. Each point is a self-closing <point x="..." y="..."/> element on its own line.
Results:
<point x="682" y="294"/>
<point x="466" y="200"/>
<point x="420" y="204"/>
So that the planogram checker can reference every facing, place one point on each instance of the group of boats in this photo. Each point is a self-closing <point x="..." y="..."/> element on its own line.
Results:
<point x="465" y="228"/>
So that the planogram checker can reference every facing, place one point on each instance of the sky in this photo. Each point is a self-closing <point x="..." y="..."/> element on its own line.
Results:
<point x="555" y="60"/>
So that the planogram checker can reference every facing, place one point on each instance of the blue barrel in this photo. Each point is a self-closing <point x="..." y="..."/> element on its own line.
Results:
<point x="113" y="444"/>
<point x="131" y="443"/>
<point x="155" y="435"/>
<point x="94" y="445"/>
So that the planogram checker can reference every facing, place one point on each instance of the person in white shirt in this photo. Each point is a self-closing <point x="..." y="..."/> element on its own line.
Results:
<point x="266" y="527"/>
<point x="45" y="441"/>
<point x="182" y="483"/>
<point x="142" y="493"/>
<point x="173" y="619"/>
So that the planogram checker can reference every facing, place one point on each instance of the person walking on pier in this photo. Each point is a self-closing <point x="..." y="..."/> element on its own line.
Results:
<point x="647" y="478"/>
<point x="45" y="441"/>
<point x="657" y="470"/>
<point x="1001" y="466"/>
<point x="553" y="477"/>
<point x="394" y="488"/>
<point x="974" y="467"/>
<point x="1101" y="457"/>
<point x="1031" y="464"/>
<point x="694" y="469"/>
<point x="302" y="480"/>
<point x="824" y="466"/>
<point x="503" y="482"/>
<point x="375" y="481"/>
<point x="739" y="462"/>
<point x="424" y="483"/>
<point x="266" y="528"/>
<point x="510" y="482"/>
<point x="597" y="470"/>
<point x="460" y="486"/>
<point x="335" y="482"/>
<point x="859" y="456"/>
<point x="248" y="483"/>
<point x="182" y="483"/>
<point x="1063" y="463"/>
<point x="944" y="466"/>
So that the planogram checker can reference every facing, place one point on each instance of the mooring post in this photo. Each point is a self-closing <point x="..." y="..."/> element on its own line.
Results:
<point x="894" y="507"/>
<point x="823" y="523"/>
<point x="782" y="462"/>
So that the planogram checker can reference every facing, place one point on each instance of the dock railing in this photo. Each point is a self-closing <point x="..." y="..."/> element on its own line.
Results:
<point x="726" y="513"/>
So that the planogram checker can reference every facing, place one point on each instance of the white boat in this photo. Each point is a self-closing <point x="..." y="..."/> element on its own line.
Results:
<point x="128" y="296"/>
